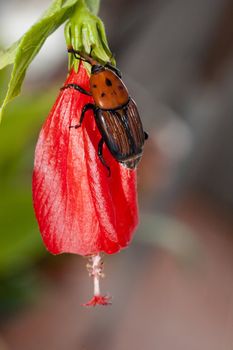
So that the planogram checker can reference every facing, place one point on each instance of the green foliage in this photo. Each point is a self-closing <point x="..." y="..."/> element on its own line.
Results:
<point x="17" y="290"/>
<point x="85" y="33"/>
<point x="24" y="50"/>
<point x="7" y="57"/>
<point x="20" y="240"/>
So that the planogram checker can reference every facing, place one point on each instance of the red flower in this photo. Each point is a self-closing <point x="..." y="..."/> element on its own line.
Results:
<point x="78" y="207"/>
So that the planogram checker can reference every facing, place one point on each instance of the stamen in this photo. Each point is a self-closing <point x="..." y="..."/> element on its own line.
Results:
<point x="95" y="269"/>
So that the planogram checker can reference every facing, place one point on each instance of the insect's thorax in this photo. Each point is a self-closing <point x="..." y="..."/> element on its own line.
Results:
<point x="108" y="90"/>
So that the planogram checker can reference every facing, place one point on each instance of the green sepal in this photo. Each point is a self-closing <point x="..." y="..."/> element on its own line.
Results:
<point x="21" y="53"/>
<point x="93" y="6"/>
<point x="85" y="32"/>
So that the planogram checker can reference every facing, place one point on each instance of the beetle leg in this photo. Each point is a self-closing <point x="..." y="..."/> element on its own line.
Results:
<point x="100" y="154"/>
<point x="87" y="107"/>
<point x="76" y="87"/>
<point x="114" y="69"/>
<point x="146" y="136"/>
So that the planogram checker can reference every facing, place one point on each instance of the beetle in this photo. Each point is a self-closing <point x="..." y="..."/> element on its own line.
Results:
<point x="115" y="113"/>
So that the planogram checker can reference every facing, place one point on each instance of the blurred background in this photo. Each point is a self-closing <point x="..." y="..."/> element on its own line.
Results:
<point x="173" y="287"/>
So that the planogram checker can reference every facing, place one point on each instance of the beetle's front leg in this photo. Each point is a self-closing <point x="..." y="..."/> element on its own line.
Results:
<point x="76" y="87"/>
<point x="86" y="108"/>
<point x="100" y="154"/>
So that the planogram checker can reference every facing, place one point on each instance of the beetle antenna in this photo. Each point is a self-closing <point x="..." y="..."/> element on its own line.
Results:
<point x="82" y="56"/>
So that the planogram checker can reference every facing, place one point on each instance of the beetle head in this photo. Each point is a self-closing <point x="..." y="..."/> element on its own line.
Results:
<point x="96" y="68"/>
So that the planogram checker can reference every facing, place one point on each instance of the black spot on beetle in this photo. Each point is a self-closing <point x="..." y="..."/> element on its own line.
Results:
<point x="103" y="94"/>
<point x="94" y="86"/>
<point x="108" y="82"/>
<point x="120" y="87"/>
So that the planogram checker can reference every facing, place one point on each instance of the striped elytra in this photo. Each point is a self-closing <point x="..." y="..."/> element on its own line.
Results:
<point x="123" y="133"/>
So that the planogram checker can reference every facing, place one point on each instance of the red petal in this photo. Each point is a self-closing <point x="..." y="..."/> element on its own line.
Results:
<point x="78" y="207"/>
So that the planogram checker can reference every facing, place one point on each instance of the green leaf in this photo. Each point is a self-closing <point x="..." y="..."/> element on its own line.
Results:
<point x="7" y="57"/>
<point x="22" y="52"/>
